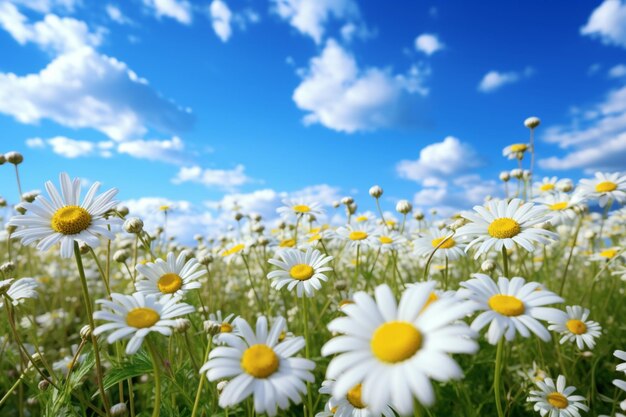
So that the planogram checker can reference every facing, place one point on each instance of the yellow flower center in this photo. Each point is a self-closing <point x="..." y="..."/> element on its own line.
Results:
<point x="503" y="228"/>
<point x="606" y="186"/>
<point x="354" y="397"/>
<point x="385" y="240"/>
<point x="558" y="400"/>
<point x="142" y="317"/>
<point x="260" y="361"/>
<point x="315" y="237"/>
<point x="287" y="243"/>
<point x="558" y="206"/>
<point x="226" y="328"/>
<point x="361" y="219"/>
<point x="507" y="305"/>
<point x="169" y="283"/>
<point x="446" y="245"/>
<point x="234" y="249"/>
<point x="608" y="253"/>
<point x="164" y="208"/>
<point x="301" y="208"/>
<point x="301" y="272"/>
<point x="546" y="187"/>
<point x="576" y="326"/>
<point x="432" y="297"/>
<point x="519" y="147"/>
<point x="357" y="235"/>
<point x="70" y="220"/>
<point x="395" y="341"/>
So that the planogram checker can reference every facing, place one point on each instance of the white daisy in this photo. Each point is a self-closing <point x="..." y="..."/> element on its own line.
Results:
<point x="556" y="400"/>
<point x="516" y="150"/>
<point x="574" y="327"/>
<point x="560" y="206"/>
<point x="511" y="306"/>
<point x="607" y="254"/>
<point x="172" y="278"/>
<point x="352" y="405"/>
<point x="138" y="315"/>
<point x="62" y="220"/>
<point x="547" y="185"/>
<point x="394" y="350"/>
<point x="297" y="207"/>
<point x="388" y="240"/>
<point x="18" y="290"/>
<point x="260" y="366"/>
<point x="605" y="187"/>
<point x="357" y="235"/>
<point x="426" y="244"/>
<point x="300" y="270"/>
<point x="620" y="354"/>
<point x="501" y="224"/>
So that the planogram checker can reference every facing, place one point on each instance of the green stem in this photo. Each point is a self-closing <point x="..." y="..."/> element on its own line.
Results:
<point x="505" y="261"/>
<point x="157" y="379"/>
<point x="202" y="378"/>
<point x="569" y="257"/>
<point x="497" y="376"/>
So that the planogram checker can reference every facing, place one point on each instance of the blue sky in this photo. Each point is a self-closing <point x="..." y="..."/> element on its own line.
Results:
<point x="201" y="104"/>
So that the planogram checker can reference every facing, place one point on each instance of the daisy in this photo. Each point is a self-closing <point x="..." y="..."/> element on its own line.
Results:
<point x="228" y="253"/>
<point x="18" y="291"/>
<point x="300" y="270"/>
<point x="260" y="366"/>
<point x="575" y="327"/>
<point x="172" y="278"/>
<point x="357" y="235"/>
<point x="295" y="208"/>
<point x="352" y="405"/>
<point x="556" y="400"/>
<point x="546" y="186"/>
<point x="511" y="306"/>
<point x="393" y="350"/>
<point x="451" y="248"/>
<point x="500" y="224"/>
<point x="138" y="315"/>
<point x="388" y="240"/>
<point x="620" y="354"/>
<point x="606" y="254"/>
<point x="516" y="150"/>
<point x="561" y="206"/>
<point x="605" y="187"/>
<point x="62" y="219"/>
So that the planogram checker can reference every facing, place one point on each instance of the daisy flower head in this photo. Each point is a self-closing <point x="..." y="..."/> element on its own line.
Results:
<point x="357" y="235"/>
<point x="294" y="208"/>
<point x="234" y="249"/>
<point x="393" y="349"/>
<point x="449" y="247"/>
<point x="16" y="291"/>
<point x="605" y="187"/>
<point x="134" y="316"/>
<point x="546" y="186"/>
<point x="351" y="405"/>
<point x="300" y="270"/>
<point x="261" y="366"/>
<point x="607" y="254"/>
<point x="556" y="399"/>
<point x="560" y="206"/>
<point x="510" y="306"/>
<point x="388" y="240"/>
<point x="516" y="150"/>
<point x="63" y="219"/>
<point x="574" y="327"/>
<point x="505" y="224"/>
<point x="173" y="277"/>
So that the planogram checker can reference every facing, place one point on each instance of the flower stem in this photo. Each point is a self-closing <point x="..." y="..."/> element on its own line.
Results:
<point x="569" y="257"/>
<point x="157" y="379"/>
<point x="497" y="376"/>
<point x="202" y="378"/>
<point x="505" y="261"/>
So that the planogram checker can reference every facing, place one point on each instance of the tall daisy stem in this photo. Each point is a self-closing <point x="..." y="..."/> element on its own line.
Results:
<point x="157" y="379"/>
<point x="19" y="184"/>
<point x="202" y="378"/>
<point x="571" y="252"/>
<point x="505" y="261"/>
<point x="307" y="341"/>
<point x="94" y="339"/>
<point x="497" y="377"/>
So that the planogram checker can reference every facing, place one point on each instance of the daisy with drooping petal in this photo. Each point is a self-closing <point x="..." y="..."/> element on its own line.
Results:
<point x="260" y="366"/>
<point x="63" y="219"/>
<point x="605" y="187"/>
<point x="394" y="349"/>
<point x="300" y="270"/>
<point x="556" y="400"/>
<point x="297" y="207"/>
<point x="357" y="235"/>
<point x="510" y="307"/>
<point x="18" y="290"/>
<point x="574" y="327"/>
<point x="428" y="242"/>
<point x="352" y="405"/>
<point x="560" y="206"/>
<point x="137" y="315"/>
<point x="515" y="151"/>
<point x="177" y="276"/>
<point x="500" y="224"/>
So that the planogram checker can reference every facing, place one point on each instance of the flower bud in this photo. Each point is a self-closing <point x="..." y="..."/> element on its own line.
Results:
<point x="10" y="228"/>
<point x="532" y="122"/>
<point x="181" y="325"/>
<point x="84" y="248"/>
<point x="122" y="210"/>
<point x="206" y="260"/>
<point x="119" y="410"/>
<point x="43" y="385"/>
<point x="376" y="191"/>
<point x="418" y="215"/>
<point x="341" y="285"/>
<point x="488" y="265"/>
<point x="565" y="185"/>
<point x="2" y="159"/>
<point x="347" y="201"/>
<point x="517" y="173"/>
<point x="30" y="196"/>
<point x="133" y="225"/>
<point x="238" y="216"/>
<point x="121" y="256"/>
<point x="351" y="208"/>
<point x="20" y="208"/>
<point x="404" y="207"/>
<point x="526" y="174"/>
<point x="85" y="332"/>
<point x="211" y="327"/>
<point x="7" y="268"/>
<point x="505" y="176"/>
<point x="336" y="204"/>
<point x="14" y="158"/>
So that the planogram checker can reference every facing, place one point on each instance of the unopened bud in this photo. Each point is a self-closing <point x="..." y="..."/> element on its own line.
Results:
<point x="7" y="268"/>
<point x="347" y="201"/>
<point x="121" y="256"/>
<point x="404" y="207"/>
<point x="133" y="225"/>
<point x="488" y="265"/>
<point x="14" y="158"/>
<point x="532" y="122"/>
<point x="119" y="410"/>
<point x="206" y="260"/>
<point x="181" y="325"/>
<point x="376" y="191"/>
<point x="341" y="285"/>
<point x="43" y="385"/>
<point x="85" y="332"/>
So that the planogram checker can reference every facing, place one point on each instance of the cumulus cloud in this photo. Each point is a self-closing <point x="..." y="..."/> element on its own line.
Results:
<point x="494" y="80"/>
<point x="116" y="15"/>
<point x="227" y="179"/>
<point x="171" y="151"/>
<point x="341" y="96"/>
<point x="220" y="18"/>
<point x="608" y="23"/>
<point x="428" y="43"/>
<point x="72" y="148"/>
<point x="309" y="17"/>
<point x="179" y="10"/>
<point x="595" y="137"/>
<point x="53" y="33"/>
<point x="618" y="71"/>
<point x="47" y="6"/>
<point x="83" y="88"/>
<point x="440" y="161"/>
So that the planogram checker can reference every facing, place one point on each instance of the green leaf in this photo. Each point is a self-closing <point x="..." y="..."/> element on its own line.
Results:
<point x="136" y="365"/>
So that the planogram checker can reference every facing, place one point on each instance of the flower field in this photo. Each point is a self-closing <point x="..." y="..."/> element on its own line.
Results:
<point x="511" y="308"/>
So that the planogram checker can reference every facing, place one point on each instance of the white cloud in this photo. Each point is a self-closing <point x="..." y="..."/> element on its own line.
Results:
<point x="494" y="80"/>
<point x="218" y="178"/>
<point x="440" y="161"/>
<point x="428" y="43"/>
<point x="608" y="22"/>
<point x="46" y="6"/>
<point x="72" y="148"/>
<point x="170" y="151"/>
<point x="220" y="19"/>
<point x="595" y="137"/>
<point x="35" y="143"/>
<point x="618" y="71"/>
<point x="179" y="10"/>
<point x="116" y="15"/>
<point x="341" y="96"/>
<point x="82" y="89"/>
<point x="53" y="33"/>
<point x="310" y="16"/>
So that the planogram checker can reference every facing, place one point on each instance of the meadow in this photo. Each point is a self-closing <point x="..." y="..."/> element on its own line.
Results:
<point x="512" y="308"/>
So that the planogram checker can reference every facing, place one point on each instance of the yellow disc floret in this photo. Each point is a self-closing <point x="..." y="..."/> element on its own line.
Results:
<point x="449" y="243"/>
<point x="385" y="240"/>
<point x="558" y="400"/>
<point x="169" y="283"/>
<point x="546" y="187"/>
<point x="357" y="235"/>
<point x="504" y="228"/>
<point x="606" y="187"/>
<point x="354" y="397"/>
<point x="301" y="272"/>
<point x="142" y="317"/>
<point x="558" y="206"/>
<point x="70" y="220"/>
<point x="226" y="328"/>
<point x="301" y="208"/>
<point x="260" y="361"/>
<point x="608" y="253"/>
<point x="576" y="326"/>
<point x="519" y="147"/>
<point x="395" y="341"/>
<point x="507" y="305"/>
